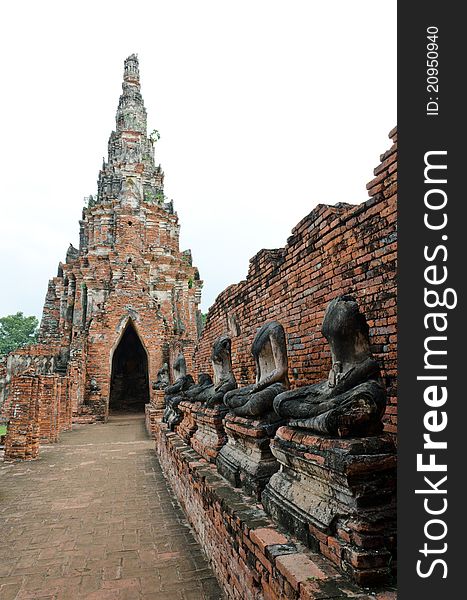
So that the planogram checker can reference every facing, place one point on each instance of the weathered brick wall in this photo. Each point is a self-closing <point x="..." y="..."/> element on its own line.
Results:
<point x="76" y="382"/>
<point x="54" y="407"/>
<point x="22" y="440"/>
<point x="138" y="273"/>
<point x="35" y="359"/>
<point x="39" y="410"/>
<point x="65" y="412"/>
<point x="3" y="382"/>
<point x="252" y="559"/>
<point x="49" y="409"/>
<point x="333" y="250"/>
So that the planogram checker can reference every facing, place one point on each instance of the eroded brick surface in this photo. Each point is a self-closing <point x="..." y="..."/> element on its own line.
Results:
<point x="341" y="249"/>
<point x="93" y="518"/>
<point x="252" y="558"/>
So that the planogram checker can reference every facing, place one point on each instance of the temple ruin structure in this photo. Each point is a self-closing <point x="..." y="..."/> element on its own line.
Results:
<point x="275" y="423"/>
<point x="122" y="304"/>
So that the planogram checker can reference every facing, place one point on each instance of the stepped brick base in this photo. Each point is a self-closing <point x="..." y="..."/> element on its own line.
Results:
<point x="154" y="411"/>
<point x="252" y="559"/>
<point x="210" y="435"/>
<point x="187" y="426"/>
<point x="39" y="409"/>
<point x="22" y="439"/>
<point x="246" y="460"/>
<point x="338" y="497"/>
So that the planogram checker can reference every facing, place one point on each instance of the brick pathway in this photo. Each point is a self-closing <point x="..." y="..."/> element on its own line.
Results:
<point x="93" y="518"/>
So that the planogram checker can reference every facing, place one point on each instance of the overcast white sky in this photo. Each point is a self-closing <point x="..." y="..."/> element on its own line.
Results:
<point x="265" y="109"/>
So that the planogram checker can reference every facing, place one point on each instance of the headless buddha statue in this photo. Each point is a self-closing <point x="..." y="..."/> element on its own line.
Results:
<point x="162" y="378"/>
<point x="224" y="379"/>
<point x="353" y="398"/>
<point x="174" y="393"/>
<point x="270" y="353"/>
<point x="195" y="393"/>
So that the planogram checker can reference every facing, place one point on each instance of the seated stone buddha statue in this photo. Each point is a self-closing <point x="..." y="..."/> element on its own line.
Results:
<point x="351" y="402"/>
<point x="224" y="379"/>
<point x="173" y="414"/>
<point x="269" y="350"/>
<point x="181" y="380"/>
<point x="173" y="393"/>
<point x="162" y="378"/>
<point x="195" y="392"/>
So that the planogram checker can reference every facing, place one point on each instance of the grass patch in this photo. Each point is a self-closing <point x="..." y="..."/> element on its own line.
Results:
<point x="2" y="429"/>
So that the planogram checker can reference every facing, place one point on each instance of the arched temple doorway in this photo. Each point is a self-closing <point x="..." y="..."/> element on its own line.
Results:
<point x="129" y="384"/>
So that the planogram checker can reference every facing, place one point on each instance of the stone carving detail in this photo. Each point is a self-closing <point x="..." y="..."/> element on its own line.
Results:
<point x="270" y="353"/>
<point x="337" y="494"/>
<point x="173" y="397"/>
<point x="162" y="378"/>
<point x="352" y="400"/>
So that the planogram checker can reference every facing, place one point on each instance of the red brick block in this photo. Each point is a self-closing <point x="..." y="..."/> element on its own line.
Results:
<point x="265" y="536"/>
<point x="298" y="568"/>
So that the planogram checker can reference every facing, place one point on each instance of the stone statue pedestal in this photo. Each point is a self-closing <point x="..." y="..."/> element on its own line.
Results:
<point x="158" y="402"/>
<point x="338" y="496"/>
<point x="154" y="410"/>
<point x="188" y="425"/>
<point x="172" y="416"/>
<point x="246" y="460"/>
<point x="210" y="435"/>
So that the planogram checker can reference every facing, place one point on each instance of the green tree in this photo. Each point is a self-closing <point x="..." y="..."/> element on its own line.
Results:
<point x="17" y="331"/>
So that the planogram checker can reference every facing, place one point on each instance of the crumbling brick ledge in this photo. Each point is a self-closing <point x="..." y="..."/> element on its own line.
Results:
<point x="251" y="557"/>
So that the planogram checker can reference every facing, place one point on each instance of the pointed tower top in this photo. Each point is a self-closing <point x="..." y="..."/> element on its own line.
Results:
<point x="131" y="70"/>
<point x="131" y="114"/>
<point x="130" y="151"/>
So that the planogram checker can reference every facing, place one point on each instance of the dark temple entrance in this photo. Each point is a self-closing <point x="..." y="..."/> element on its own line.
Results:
<point x="129" y="385"/>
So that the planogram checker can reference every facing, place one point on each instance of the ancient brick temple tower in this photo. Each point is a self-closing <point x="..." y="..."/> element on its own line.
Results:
<point x="127" y="300"/>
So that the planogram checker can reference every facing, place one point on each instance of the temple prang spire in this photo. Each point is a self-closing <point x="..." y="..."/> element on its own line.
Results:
<point x="130" y="163"/>
<point x="131" y="70"/>
<point x="120" y="307"/>
<point x="131" y="113"/>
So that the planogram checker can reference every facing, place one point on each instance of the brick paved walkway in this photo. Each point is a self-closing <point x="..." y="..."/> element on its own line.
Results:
<point x="93" y="518"/>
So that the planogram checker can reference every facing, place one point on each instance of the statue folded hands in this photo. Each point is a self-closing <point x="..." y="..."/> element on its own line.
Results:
<point x="162" y="378"/>
<point x="353" y="398"/>
<point x="224" y="379"/>
<point x="174" y="393"/>
<point x="269" y="350"/>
